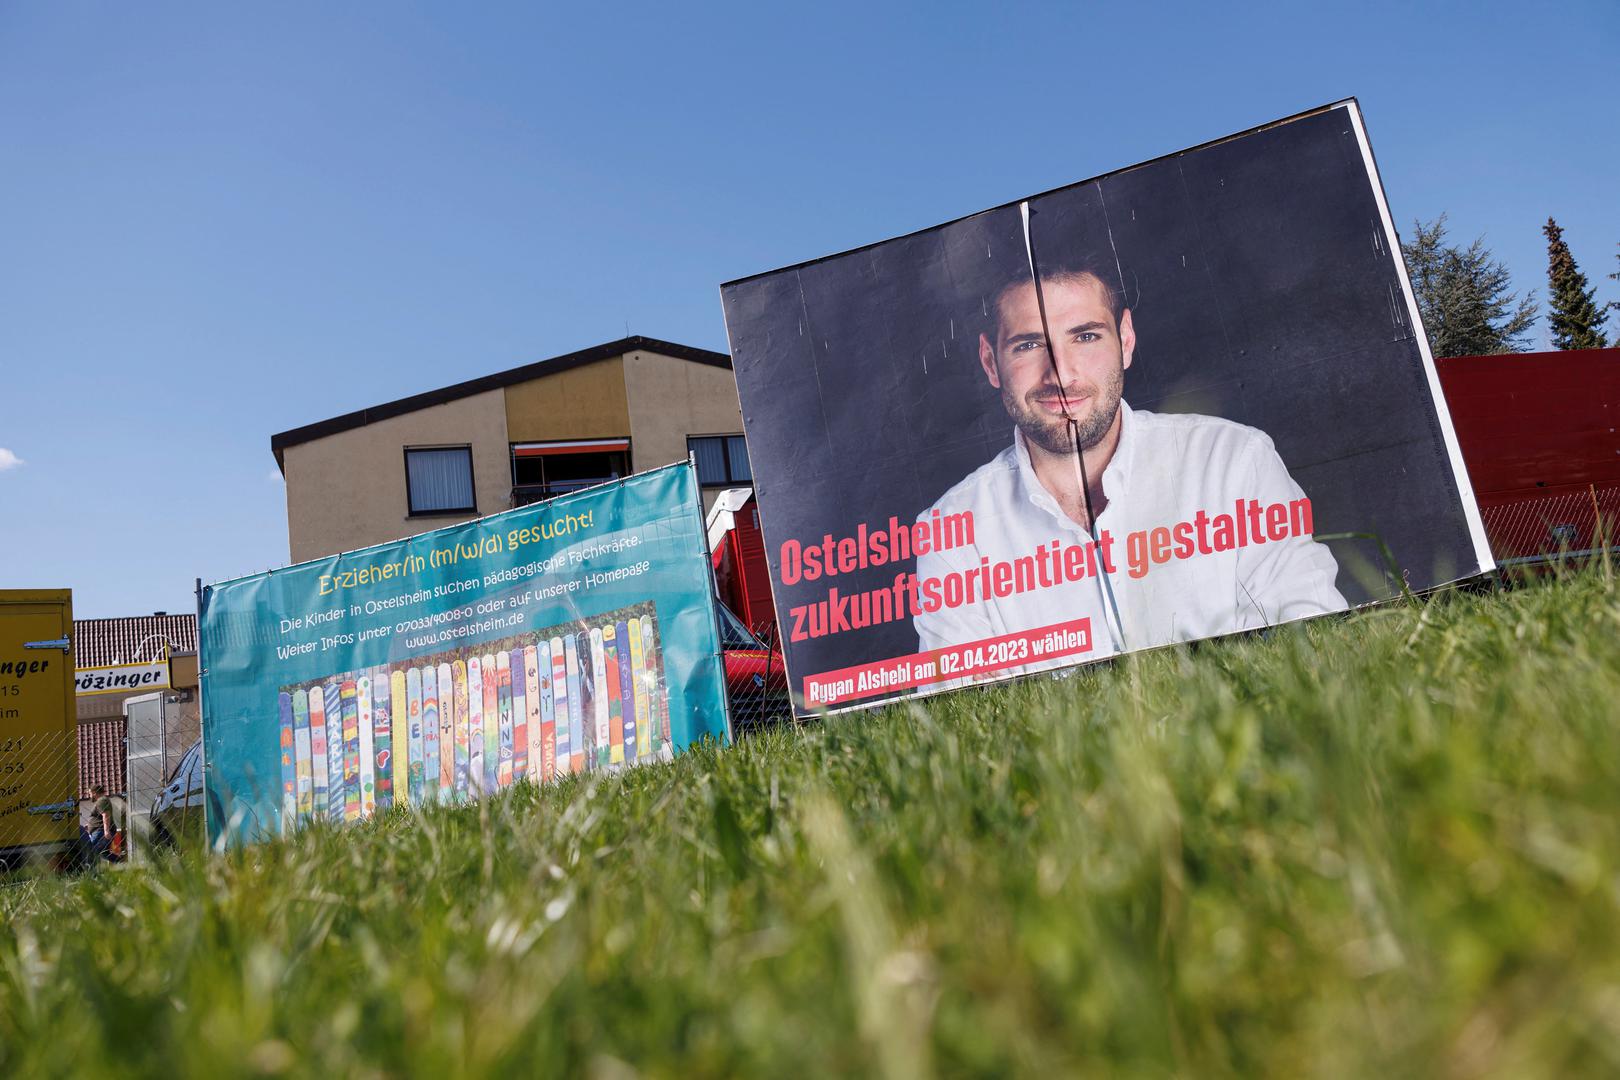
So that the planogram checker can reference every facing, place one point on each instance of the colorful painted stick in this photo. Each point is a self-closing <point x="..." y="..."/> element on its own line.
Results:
<point x="654" y="682"/>
<point x="506" y="731"/>
<point x="599" y="699"/>
<point x="610" y="667"/>
<point x="643" y="718"/>
<point x="463" y="752"/>
<point x="289" y="774"/>
<point x="627" y="690"/>
<point x="351" y="751"/>
<point x="656" y="636"/>
<point x="542" y="710"/>
<point x="447" y="733"/>
<point x="418" y="748"/>
<point x="444" y="751"/>
<point x="303" y="780"/>
<point x="492" y="722"/>
<point x="475" y="726"/>
<point x="564" y="706"/>
<point x="368" y="762"/>
<point x="432" y="736"/>
<point x="317" y="751"/>
<point x="382" y="737"/>
<point x="521" y="667"/>
<point x="582" y="692"/>
<point x="335" y="784"/>
<point x="407" y="741"/>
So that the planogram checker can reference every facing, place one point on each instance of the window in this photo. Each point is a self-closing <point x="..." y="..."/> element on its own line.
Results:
<point x="439" y="480"/>
<point x="733" y="634"/>
<point x="722" y="460"/>
<point x="544" y="470"/>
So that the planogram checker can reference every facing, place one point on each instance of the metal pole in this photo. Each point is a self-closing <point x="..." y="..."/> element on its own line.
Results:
<point x="202" y="723"/>
<point x="770" y="666"/>
<point x="714" y="597"/>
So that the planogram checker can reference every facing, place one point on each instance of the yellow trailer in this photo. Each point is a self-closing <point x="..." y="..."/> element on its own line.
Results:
<point x="39" y="748"/>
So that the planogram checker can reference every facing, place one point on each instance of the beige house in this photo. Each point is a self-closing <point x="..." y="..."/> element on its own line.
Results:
<point x="504" y="440"/>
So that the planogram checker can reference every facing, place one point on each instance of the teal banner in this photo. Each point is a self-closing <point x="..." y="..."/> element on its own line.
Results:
<point x="577" y="634"/>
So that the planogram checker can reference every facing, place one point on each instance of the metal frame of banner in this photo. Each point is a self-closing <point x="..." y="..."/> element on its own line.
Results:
<point x="202" y="718"/>
<point x="717" y="656"/>
<point x="714" y="598"/>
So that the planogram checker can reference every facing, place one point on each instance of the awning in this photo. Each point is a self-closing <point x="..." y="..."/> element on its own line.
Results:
<point x="578" y="446"/>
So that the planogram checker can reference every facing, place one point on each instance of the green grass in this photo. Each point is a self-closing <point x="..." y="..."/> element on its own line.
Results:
<point x="1381" y="845"/>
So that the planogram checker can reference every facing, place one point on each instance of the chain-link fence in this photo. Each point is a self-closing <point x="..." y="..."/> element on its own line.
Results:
<point x="1566" y="525"/>
<point x="39" y="815"/>
<point x="109" y="791"/>
<point x="756" y="678"/>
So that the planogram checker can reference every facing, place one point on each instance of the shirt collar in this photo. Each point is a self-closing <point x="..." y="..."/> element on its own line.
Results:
<point x="1115" y="479"/>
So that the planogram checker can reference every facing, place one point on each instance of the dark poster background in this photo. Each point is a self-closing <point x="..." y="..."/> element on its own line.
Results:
<point x="1263" y="290"/>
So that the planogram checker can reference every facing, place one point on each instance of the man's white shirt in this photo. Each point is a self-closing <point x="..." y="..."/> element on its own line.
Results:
<point x="1165" y="469"/>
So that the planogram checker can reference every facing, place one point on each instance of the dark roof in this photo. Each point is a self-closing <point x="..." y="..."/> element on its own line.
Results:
<point x="104" y="642"/>
<point x="348" y="421"/>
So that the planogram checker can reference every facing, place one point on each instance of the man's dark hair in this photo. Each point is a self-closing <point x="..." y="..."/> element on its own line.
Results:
<point x="985" y="255"/>
<point x="1067" y="266"/>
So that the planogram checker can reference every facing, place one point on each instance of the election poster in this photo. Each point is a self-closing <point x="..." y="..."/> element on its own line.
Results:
<point x="572" y="635"/>
<point x="1185" y="399"/>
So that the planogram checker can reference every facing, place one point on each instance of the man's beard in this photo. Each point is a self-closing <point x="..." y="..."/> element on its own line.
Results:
<point x="1051" y="433"/>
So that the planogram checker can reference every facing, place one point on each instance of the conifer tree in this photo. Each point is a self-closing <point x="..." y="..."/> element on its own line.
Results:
<point x="1464" y="295"/>
<point x="1573" y="314"/>
<point x="1615" y="304"/>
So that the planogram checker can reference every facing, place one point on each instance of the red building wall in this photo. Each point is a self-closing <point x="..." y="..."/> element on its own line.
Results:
<point x="1538" y="433"/>
<point x="740" y="571"/>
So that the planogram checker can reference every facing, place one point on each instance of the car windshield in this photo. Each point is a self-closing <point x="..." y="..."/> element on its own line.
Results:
<point x="188" y="769"/>
<point x="733" y="634"/>
<point x="192" y="768"/>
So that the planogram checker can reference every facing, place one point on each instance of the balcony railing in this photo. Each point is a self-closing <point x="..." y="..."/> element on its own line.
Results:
<point x="524" y="494"/>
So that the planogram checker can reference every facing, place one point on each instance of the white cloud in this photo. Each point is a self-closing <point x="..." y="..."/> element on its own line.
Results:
<point x="8" y="460"/>
<point x="273" y="477"/>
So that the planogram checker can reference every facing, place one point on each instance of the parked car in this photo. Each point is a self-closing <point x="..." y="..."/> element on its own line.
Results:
<point x="177" y="812"/>
<point x="756" y="678"/>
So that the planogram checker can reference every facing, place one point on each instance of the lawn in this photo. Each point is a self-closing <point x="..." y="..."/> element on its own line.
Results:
<point x="1386" y="844"/>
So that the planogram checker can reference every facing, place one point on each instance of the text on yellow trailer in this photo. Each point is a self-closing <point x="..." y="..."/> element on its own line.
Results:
<point x="38" y="723"/>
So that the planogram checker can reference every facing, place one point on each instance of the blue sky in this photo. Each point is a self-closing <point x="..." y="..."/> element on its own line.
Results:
<point x="221" y="221"/>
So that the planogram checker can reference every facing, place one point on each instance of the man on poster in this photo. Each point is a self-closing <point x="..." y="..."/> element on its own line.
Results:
<point x="1193" y="522"/>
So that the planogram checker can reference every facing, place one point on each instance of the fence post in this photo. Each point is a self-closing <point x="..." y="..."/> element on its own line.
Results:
<point x="1599" y="532"/>
<point x="202" y="728"/>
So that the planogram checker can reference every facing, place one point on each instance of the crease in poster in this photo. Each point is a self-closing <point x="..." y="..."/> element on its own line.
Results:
<point x="1182" y="400"/>
<point x="572" y="635"/>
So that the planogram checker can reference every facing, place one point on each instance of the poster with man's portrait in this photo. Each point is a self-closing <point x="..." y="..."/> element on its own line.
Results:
<point x="1185" y="399"/>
